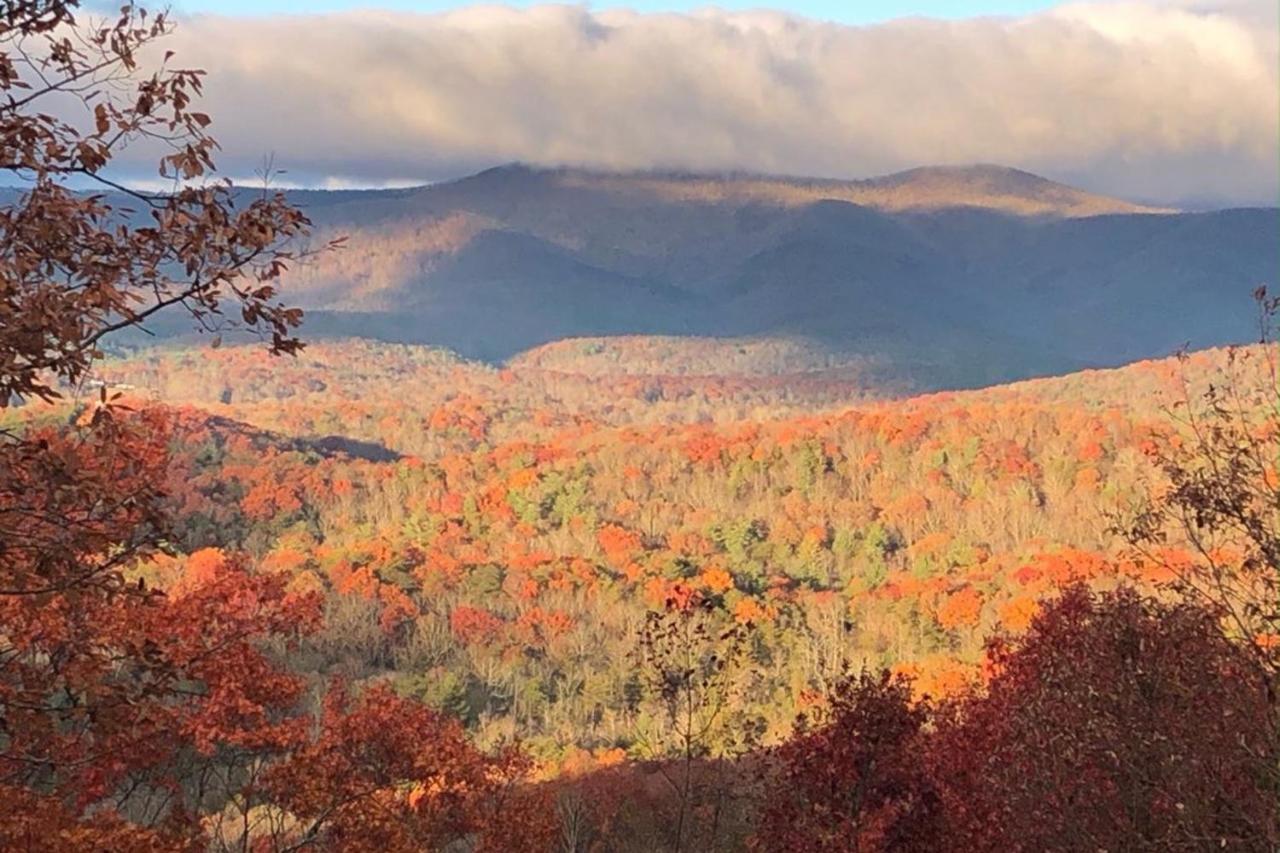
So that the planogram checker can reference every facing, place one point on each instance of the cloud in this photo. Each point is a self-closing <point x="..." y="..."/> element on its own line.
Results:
<point x="1164" y="101"/>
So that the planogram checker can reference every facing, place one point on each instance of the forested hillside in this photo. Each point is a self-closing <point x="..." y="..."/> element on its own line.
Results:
<point x="490" y="540"/>
<point x="495" y="543"/>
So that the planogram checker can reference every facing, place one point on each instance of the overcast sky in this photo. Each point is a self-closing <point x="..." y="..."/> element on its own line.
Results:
<point x="1173" y="101"/>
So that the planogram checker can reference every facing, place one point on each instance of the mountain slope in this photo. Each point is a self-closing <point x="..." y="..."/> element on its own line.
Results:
<point x="959" y="276"/>
<point x="927" y="188"/>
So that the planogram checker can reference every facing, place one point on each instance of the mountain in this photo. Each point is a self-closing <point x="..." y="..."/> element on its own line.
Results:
<point x="956" y="276"/>
<point x="929" y="187"/>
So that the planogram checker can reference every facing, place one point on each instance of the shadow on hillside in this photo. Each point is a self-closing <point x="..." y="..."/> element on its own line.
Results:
<point x="327" y="446"/>
<point x="369" y="451"/>
<point x="636" y="806"/>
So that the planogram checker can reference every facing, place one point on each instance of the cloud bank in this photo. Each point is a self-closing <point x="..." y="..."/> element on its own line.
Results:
<point x="1171" y="101"/>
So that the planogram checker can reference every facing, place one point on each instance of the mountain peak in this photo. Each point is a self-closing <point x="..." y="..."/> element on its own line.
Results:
<point x="1000" y="187"/>
<point x="973" y="173"/>
<point x="986" y="186"/>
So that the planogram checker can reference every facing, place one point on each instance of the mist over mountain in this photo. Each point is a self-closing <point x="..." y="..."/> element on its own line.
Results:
<point x="950" y="276"/>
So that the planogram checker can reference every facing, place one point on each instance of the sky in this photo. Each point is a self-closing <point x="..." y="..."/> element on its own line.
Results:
<point x="844" y="11"/>
<point x="1166" y="101"/>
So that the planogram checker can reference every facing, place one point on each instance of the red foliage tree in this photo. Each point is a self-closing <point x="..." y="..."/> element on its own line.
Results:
<point x="1116" y="723"/>
<point x="113" y="696"/>
<point x="473" y="624"/>
<point x="111" y="692"/>
<point x="39" y="824"/>
<point x="853" y="780"/>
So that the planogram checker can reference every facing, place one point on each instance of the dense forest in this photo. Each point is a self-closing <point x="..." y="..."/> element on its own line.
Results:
<point x="490" y="541"/>
<point x="633" y="593"/>
<point x="525" y="551"/>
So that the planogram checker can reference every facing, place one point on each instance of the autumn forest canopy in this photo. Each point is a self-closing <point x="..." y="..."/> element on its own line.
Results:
<point x="566" y="510"/>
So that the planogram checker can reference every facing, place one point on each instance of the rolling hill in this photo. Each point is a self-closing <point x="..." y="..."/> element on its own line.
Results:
<point x="955" y="276"/>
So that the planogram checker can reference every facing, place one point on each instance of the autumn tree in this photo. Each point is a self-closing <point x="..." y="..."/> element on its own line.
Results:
<point x="384" y="773"/>
<point x="1117" y="722"/>
<point x="1219" y="492"/>
<point x="116" y="698"/>
<point x="688" y="657"/>
<point x="110" y="692"/>
<point x="79" y="265"/>
<point x="852" y="776"/>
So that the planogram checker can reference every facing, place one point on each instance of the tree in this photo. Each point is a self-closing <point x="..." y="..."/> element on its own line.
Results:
<point x="110" y="692"/>
<point x="688" y="657"/>
<point x="385" y="773"/>
<point x="1117" y="722"/>
<point x="78" y="266"/>
<point x="852" y="778"/>
<point x="1218" y="499"/>
<point x="1220" y="494"/>
<point x="114" y="697"/>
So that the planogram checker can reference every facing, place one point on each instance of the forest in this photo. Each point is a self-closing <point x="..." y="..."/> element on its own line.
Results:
<point x="632" y="593"/>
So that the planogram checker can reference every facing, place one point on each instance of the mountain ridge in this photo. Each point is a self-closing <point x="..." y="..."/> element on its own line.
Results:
<point x="982" y="185"/>
<point x="912" y="274"/>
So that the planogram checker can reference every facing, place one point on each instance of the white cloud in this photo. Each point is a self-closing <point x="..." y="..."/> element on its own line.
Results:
<point x="1156" y="100"/>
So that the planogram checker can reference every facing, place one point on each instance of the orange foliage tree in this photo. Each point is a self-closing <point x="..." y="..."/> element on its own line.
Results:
<point x="385" y="773"/>
<point x="106" y="687"/>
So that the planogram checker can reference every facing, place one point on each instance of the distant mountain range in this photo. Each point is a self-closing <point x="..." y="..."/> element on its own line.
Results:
<point x="954" y="276"/>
